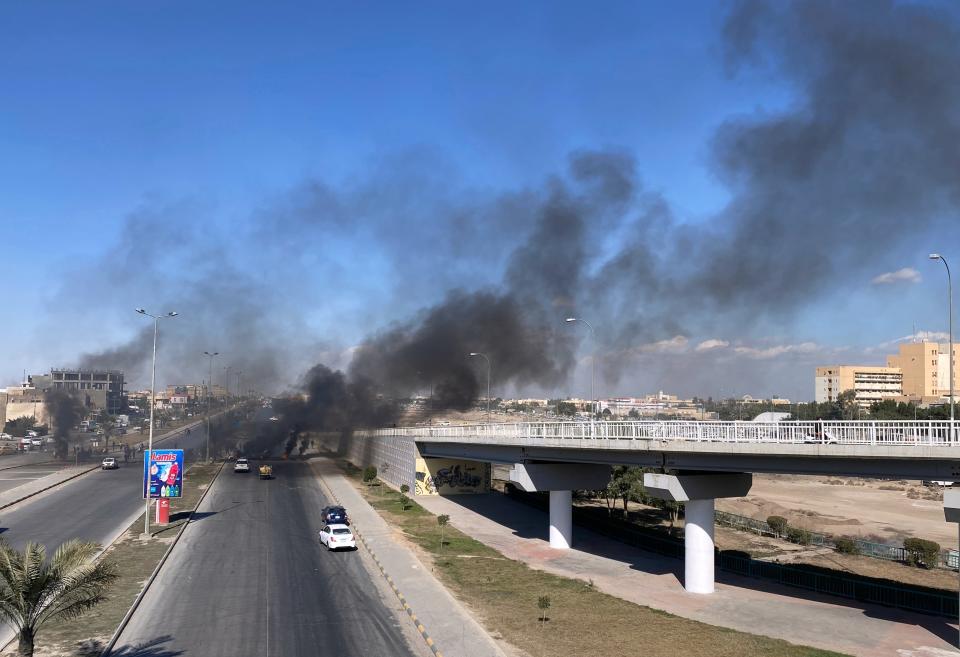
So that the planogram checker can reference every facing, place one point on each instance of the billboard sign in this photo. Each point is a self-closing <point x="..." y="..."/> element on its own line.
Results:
<point x="163" y="473"/>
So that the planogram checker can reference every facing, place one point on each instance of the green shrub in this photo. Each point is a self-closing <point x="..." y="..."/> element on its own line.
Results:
<point x="799" y="536"/>
<point x="369" y="474"/>
<point x="404" y="489"/>
<point x="778" y="524"/>
<point x="921" y="552"/>
<point x="846" y="545"/>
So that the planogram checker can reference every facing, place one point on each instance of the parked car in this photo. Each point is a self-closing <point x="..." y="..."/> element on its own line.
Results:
<point x="334" y="515"/>
<point x="242" y="465"/>
<point x="36" y="442"/>
<point x="5" y="436"/>
<point x="337" y="537"/>
<point x="109" y="463"/>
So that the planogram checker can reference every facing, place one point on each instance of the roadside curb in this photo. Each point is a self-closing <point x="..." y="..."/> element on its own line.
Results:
<point x="156" y="571"/>
<point x="403" y="601"/>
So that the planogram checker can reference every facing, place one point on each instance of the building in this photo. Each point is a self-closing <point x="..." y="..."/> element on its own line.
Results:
<point x="23" y="401"/>
<point x="869" y="383"/>
<point x="96" y="389"/>
<point x="926" y="370"/>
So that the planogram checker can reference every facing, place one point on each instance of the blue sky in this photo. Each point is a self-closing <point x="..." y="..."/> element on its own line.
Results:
<point x="108" y="108"/>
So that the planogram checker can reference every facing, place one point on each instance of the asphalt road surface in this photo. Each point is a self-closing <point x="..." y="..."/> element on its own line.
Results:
<point x="250" y="578"/>
<point x="14" y="476"/>
<point x="94" y="507"/>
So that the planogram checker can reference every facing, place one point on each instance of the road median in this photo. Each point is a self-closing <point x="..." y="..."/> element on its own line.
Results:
<point x="138" y="561"/>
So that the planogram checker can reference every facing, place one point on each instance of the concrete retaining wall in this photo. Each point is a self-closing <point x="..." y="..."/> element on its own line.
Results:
<point x="394" y="457"/>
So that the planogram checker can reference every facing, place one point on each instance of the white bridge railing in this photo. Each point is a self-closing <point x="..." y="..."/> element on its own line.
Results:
<point x="833" y="432"/>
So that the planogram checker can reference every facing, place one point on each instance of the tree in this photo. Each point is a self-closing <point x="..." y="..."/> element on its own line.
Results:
<point x="442" y="521"/>
<point x="369" y="474"/>
<point x="20" y="426"/>
<point x="849" y="408"/>
<point x="404" y="489"/>
<point x="34" y="591"/>
<point x="543" y="603"/>
<point x="404" y="502"/>
<point x="778" y="524"/>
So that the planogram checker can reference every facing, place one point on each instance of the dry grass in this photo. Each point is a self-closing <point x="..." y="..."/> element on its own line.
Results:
<point x="135" y="559"/>
<point x="582" y="621"/>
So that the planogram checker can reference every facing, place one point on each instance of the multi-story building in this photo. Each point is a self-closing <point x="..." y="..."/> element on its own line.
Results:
<point x="926" y="370"/>
<point x="96" y="389"/>
<point x="869" y="383"/>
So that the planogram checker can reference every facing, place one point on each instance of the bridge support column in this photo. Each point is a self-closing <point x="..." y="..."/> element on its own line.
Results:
<point x="561" y="519"/>
<point x="698" y="492"/>
<point x="951" y="511"/>
<point x="560" y="479"/>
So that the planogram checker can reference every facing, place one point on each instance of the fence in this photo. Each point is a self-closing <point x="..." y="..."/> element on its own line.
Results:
<point x="948" y="558"/>
<point x="811" y="578"/>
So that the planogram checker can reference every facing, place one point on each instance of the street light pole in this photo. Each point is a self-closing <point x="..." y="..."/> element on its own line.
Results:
<point x="209" y="394"/>
<point x="226" y="380"/>
<point x="153" y="402"/>
<point x="593" y="364"/>
<point x="484" y="356"/>
<point x="239" y="389"/>
<point x="937" y="256"/>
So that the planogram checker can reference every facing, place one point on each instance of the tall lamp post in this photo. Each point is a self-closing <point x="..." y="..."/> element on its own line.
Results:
<point x="209" y="394"/>
<point x="937" y="256"/>
<point x="226" y="380"/>
<point x="153" y="402"/>
<point x="593" y="363"/>
<point x="484" y="356"/>
<point x="239" y="389"/>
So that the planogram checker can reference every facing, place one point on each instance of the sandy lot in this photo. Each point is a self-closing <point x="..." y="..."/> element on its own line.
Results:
<point x="851" y="507"/>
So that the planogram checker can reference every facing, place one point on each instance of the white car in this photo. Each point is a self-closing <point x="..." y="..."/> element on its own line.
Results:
<point x="337" y="537"/>
<point x="109" y="463"/>
<point x="5" y="436"/>
<point x="242" y="465"/>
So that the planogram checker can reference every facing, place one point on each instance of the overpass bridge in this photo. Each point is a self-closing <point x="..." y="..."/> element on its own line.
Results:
<point x="705" y="460"/>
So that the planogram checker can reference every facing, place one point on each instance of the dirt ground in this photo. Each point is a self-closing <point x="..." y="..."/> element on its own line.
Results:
<point x="871" y="509"/>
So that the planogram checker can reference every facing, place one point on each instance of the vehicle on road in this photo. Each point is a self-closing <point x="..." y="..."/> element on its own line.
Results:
<point x="242" y="465"/>
<point x="337" y="537"/>
<point x="109" y="463"/>
<point x="266" y="472"/>
<point x="5" y="436"/>
<point x="334" y="515"/>
<point x="36" y="442"/>
<point x="32" y="434"/>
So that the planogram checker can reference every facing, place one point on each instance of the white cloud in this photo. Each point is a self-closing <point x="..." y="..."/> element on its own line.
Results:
<point x="675" y="344"/>
<point x="905" y="275"/>
<point x="919" y="336"/>
<point x="713" y="343"/>
<point x="777" y="350"/>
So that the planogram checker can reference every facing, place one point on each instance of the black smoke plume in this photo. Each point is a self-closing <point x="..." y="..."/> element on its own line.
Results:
<point x="854" y="169"/>
<point x="64" y="411"/>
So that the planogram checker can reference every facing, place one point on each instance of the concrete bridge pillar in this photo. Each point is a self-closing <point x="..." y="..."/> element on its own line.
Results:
<point x="561" y="519"/>
<point x="698" y="492"/>
<point x="560" y="479"/>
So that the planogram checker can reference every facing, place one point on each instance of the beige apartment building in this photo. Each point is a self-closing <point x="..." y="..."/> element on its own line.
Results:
<point x="869" y="383"/>
<point x="926" y="370"/>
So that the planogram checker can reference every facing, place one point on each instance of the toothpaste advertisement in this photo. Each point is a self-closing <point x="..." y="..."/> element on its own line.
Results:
<point x="163" y="473"/>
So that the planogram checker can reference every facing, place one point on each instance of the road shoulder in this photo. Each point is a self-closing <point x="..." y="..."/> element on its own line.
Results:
<point x="450" y="626"/>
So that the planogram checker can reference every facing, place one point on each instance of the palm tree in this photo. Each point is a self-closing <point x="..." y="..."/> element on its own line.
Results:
<point x="34" y="590"/>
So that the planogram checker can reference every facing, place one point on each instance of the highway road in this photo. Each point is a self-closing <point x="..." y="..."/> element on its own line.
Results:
<point x="250" y="578"/>
<point x="94" y="507"/>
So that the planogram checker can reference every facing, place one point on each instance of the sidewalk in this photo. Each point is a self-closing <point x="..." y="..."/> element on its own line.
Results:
<point x="453" y="629"/>
<point x="519" y="532"/>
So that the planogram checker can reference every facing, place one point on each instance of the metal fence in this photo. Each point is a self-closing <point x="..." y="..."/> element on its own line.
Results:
<point x="948" y="558"/>
<point x="901" y="597"/>
<point x="842" y="432"/>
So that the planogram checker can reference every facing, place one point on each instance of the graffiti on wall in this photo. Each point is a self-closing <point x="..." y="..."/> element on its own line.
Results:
<point x="451" y="477"/>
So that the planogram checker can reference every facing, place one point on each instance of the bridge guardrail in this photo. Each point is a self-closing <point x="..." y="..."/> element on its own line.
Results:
<point x="843" y="432"/>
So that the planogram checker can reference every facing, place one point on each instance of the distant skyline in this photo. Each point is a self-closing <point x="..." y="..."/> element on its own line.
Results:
<point x="295" y="178"/>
